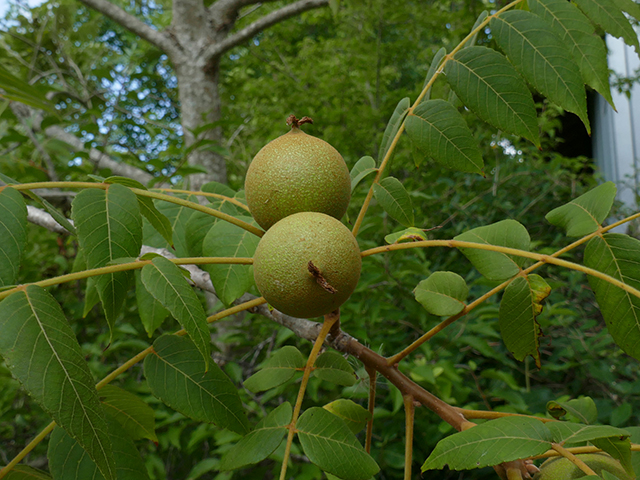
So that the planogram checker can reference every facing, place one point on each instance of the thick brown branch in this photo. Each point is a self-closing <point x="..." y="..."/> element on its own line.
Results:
<point x="277" y="16"/>
<point x="128" y="21"/>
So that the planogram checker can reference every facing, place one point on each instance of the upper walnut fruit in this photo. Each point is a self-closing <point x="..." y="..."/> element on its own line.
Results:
<point x="297" y="173"/>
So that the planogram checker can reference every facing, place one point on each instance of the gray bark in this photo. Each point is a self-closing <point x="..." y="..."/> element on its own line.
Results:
<point x="194" y="42"/>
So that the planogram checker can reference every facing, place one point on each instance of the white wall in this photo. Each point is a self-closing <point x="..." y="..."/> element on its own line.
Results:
<point x="616" y="135"/>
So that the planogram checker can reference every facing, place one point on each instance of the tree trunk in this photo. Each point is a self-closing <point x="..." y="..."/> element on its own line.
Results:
<point x="200" y="105"/>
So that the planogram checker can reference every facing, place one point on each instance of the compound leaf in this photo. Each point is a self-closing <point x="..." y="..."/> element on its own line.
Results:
<point x="13" y="232"/>
<point x="585" y="214"/>
<point x="329" y="444"/>
<point x="178" y="376"/>
<point x="489" y="85"/>
<point x="261" y="442"/>
<point x="42" y="352"/>
<point x="538" y="54"/>
<point x="442" y="294"/>
<point x="617" y="255"/>
<point x="520" y="306"/>
<point x="496" y="441"/>
<point x="496" y="265"/>
<point x="165" y="281"/>
<point x="438" y="129"/>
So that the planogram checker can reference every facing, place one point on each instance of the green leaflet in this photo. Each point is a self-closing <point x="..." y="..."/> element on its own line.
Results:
<point x="333" y="367"/>
<point x="442" y="294"/>
<point x="619" y="447"/>
<point x="393" y="126"/>
<point x="491" y="443"/>
<point x="329" y="443"/>
<point x="438" y="129"/>
<point x="496" y="265"/>
<point x="363" y="167"/>
<point x="608" y="15"/>
<point x="572" y="433"/>
<point x="165" y="281"/>
<point x="178" y="376"/>
<point x="42" y="352"/>
<point x="352" y="414"/>
<point x="585" y="214"/>
<point x="13" y="232"/>
<point x="520" y="306"/>
<point x="395" y="200"/>
<point x="617" y="255"/>
<point x="410" y="234"/>
<point x="576" y="31"/>
<point x="280" y="368"/>
<point x="178" y="216"/>
<point x="109" y="227"/>
<point x="227" y="240"/>
<point x="68" y="461"/>
<point x="151" y="311"/>
<point x="134" y="416"/>
<point x="433" y="68"/>
<point x="489" y="85"/>
<point x="538" y="54"/>
<point x="147" y="207"/>
<point x="261" y="442"/>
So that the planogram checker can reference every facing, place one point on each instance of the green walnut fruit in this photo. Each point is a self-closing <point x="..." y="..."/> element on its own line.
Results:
<point x="297" y="173"/>
<point x="307" y="264"/>
<point x="560" y="468"/>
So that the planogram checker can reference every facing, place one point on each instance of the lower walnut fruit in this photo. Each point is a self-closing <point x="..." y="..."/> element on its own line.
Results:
<point x="307" y="264"/>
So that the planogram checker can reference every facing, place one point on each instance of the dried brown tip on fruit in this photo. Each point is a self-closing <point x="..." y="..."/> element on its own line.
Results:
<point x="294" y="122"/>
<point x="315" y="271"/>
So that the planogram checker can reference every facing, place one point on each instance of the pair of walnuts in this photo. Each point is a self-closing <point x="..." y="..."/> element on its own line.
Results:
<point x="298" y="187"/>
